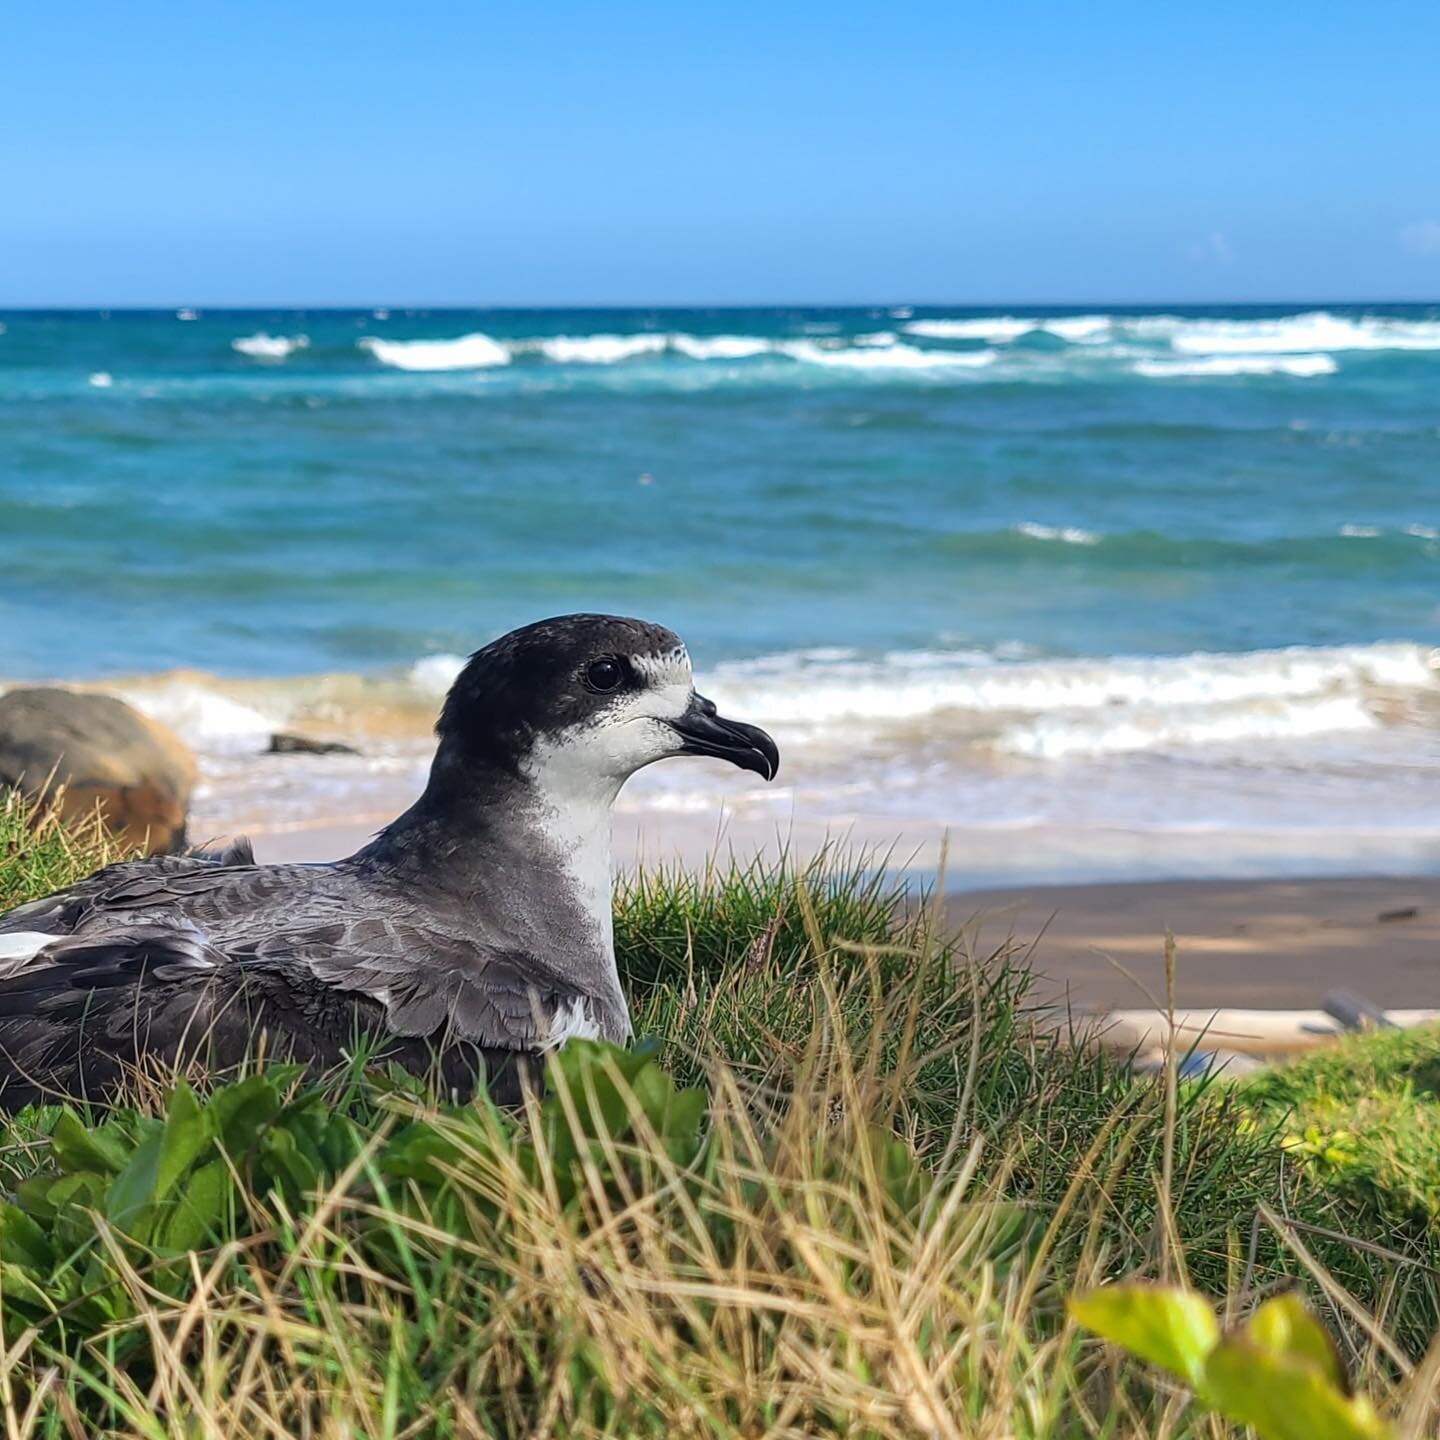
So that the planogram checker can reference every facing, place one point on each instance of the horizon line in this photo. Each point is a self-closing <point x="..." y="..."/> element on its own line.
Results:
<point x="618" y="305"/>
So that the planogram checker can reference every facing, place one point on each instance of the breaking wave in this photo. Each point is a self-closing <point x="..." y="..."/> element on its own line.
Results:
<point x="890" y="357"/>
<point x="1040" y="708"/>
<point x="1069" y="534"/>
<point x="600" y="349"/>
<point x="1154" y="346"/>
<point x="467" y="352"/>
<point x="270" y="347"/>
<point x="1301" y="366"/>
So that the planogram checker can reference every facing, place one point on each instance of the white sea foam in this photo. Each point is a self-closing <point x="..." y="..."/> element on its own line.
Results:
<point x="878" y="337"/>
<point x="1359" y="532"/>
<point x="102" y="379"/>
<point x="186" y="315"/>
<point x="894" y="357"/>
<point x="435" y="674"/>
<point x="1069" y="534"/>
<point x="465" y="352"/>
<point x="719" y="347"/>
<point x="261" y="346"/>
<point x="200" y="711"/>
<point x="1316" y="330"/>
<point x="1423" y="532"/>
<point x="1303" y="367"/>
<point x="997" y="328"/>
<point x="1080" y="329"/>
<point x="1055" y="708"/>
<point x="599" y="349"/>
<point x="1153" y="727"/>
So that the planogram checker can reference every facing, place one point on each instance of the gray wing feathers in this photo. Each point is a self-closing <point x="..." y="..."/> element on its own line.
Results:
<point x="197" y="912"/>
<point x="429" y="980"/>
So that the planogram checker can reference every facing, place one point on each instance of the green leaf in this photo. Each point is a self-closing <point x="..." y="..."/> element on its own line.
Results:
<point x="19" y="1287"/>
<point x="183" y="1139"/>
<point x="1283" y="1398"/>
<point x="134" y="1187"/>
<point x="76" y="1148"/>
<point x="239" y="1112"/>
<point x="198" y="1210"/>
<point x="285" y="1162"/>
<point x="1285" y="1327"/>
<point x="1165" y="1325"/>
<point x="22" y="1241"/>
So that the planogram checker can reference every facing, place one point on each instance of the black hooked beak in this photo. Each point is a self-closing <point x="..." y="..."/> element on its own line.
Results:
<point x="707" y="733"/>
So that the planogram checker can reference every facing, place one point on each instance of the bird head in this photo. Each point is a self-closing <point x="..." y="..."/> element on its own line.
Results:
<point x="590" y="699"/>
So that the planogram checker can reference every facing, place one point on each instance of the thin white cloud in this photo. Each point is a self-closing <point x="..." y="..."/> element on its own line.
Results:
<point x="1213" y="249"/>
<point x="1421" y="238"/>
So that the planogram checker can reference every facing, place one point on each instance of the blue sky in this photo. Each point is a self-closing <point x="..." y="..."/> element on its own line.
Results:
<point x="431" y="153"/>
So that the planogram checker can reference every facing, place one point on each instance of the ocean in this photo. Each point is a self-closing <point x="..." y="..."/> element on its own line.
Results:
<point x="1100" y="591"/>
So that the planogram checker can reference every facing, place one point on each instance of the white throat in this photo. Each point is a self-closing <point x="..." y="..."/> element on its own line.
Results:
<point x="573" y="816"/>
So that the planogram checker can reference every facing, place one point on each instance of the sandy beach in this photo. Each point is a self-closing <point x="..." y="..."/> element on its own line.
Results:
<point x="1258" y="943"/>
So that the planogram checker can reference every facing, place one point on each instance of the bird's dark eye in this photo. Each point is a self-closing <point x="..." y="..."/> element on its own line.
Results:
<point x="605" y="675"/>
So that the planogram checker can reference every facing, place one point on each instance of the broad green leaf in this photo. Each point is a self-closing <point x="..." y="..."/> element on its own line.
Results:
<point x="238" y="1113"/>
<point x="134" y="1186"/>
<point x="76" y="1148"/>
<point x="22" y="1241"/>
<point x="183" y="1139"/>
<point x="1165" y="1325"/>
<point x="198" y="1209"/>
<point x="1284" y="1326"/>
<point x="19" y="1287"/>
<point x="286" y="1163"/>
<point x="1283" y="1398"/>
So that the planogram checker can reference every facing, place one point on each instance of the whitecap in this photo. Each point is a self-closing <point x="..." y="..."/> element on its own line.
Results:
<point x="1069" y="534"/>
<point x="1315" y="330"/>
<point x="894" y="357"/>
<point x="465" y="352"/>
<point x="719" y="347"/>
<point x="261" y="346"/>
<point x="996" y="329"/>
<point x="1303" y="367"/>
<point x="599" y="349"/>
<point x="102" y="379"/>
<point x="187" y="315"/>
<point x="1079" y="329"/>
<point x="1359" y="532"/>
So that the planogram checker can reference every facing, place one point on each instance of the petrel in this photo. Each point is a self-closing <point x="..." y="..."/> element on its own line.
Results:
<point x="473" y="934"/>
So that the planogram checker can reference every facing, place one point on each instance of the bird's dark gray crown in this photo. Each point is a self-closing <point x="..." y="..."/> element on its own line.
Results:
<point x="532" y="682"/>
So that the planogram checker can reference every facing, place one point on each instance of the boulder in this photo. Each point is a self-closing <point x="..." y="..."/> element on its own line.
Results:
<point x="104" y="752"/>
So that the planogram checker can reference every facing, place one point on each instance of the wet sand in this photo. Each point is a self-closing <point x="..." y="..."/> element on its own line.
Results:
<point x="1259" y="943"/>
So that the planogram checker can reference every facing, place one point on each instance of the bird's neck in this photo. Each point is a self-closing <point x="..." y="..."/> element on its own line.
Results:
<point x="532" y="848"/>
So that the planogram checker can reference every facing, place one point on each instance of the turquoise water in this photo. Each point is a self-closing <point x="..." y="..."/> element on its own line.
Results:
<point x="988" y="553"/>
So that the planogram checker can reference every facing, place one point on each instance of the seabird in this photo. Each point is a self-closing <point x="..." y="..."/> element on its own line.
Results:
<point x="473" y="933"/>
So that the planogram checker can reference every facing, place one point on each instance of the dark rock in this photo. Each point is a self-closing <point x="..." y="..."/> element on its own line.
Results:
<point x="105" y="753"/>
<point x="282" y="744"/>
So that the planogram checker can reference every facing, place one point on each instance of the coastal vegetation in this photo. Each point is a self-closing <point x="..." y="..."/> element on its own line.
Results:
<point x="846" y="1183"/>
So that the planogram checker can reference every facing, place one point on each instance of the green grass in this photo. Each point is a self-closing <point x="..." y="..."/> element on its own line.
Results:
<point x="1362" y="1118"/>
<point x="845" y="1192"/>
